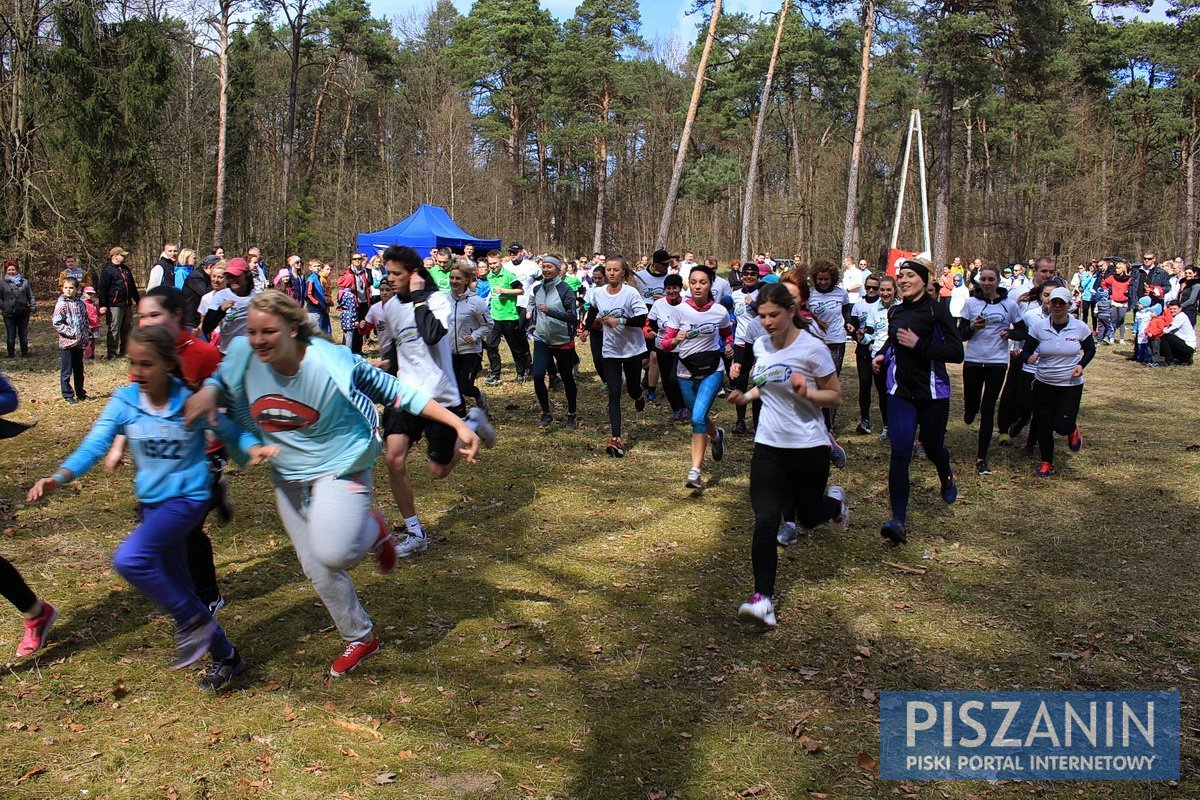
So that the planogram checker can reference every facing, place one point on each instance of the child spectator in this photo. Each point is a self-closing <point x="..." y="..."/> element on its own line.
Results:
<point x="1104" y="323"/>
<point x="347" y="302"/>
<point x="70" y="320"/>
<point x="1141" y="348"/>
<point x="93" y="315"/>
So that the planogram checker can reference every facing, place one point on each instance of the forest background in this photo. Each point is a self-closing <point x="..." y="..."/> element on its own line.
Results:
<point x="296" y="124"/>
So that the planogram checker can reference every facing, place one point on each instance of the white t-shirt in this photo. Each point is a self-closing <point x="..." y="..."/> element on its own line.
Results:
<point x="958" y="298"/>
<point x="853" y="276"/>
<point x="660" y="312"/>
<point x="527" y="272"/>
<point x="650" y="285"/>
<point x="721" y="288"/>
<point x="862" y="313"/>
<point x="985" y="345"/>
<point x="699" y="332"/>
<point x="428" y="367"/>
<point x="1059" y="351"/>
<point x="620" y="341"/>
<point x="787" y="420"/>
<point x="744" y="310"/>
<point x="827" y="307"/>
<point x="376" y="316"/>
<point x="1032" y="317"/>
<point x="236" y="318"/>
<point x="1182" y="327"/>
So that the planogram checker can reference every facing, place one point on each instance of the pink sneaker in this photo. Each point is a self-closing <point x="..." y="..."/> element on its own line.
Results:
<point x="355" y="654"/>
<point x="385" y="546"/>
<point x="36" y="630"/>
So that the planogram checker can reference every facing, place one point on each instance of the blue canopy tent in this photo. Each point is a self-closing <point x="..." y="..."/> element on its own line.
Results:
<point x="428" y="226"/>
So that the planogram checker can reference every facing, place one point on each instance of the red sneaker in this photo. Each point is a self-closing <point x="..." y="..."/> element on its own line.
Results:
<point x="615" y="447"/>
<point x="36" y="629"/>
<point x="385" y="546"/>
<point x="1075" y="440"/>
<point x="1045" y="470"/>
<point x="355" y="654"/>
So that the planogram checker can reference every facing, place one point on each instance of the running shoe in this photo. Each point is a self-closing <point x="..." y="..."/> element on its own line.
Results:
<point x="651" y="397"/>
<point x="1004" y="440"/>
<point x="968" y="420"/>
<point x="354" y="654"/>
<point x="522" y="377"/>
<point x="546" y="420"/>
<point x="739" y="428"/>
<point x="895" y="532"/>
<point x="982" y="468"/>
<point x="216" y="605"/>
<point x="222" y="500"/>
<point x="718" y="445"/>
<point x="1075" y="440"/>
<point x="693" y="479"/>
<point x="412" y="545"/>
<point x="640" y="403"/>
<point x="788" y="534"/>
<point x="385" y="544"/>
<point x="842" y="521"/>
<point x="572" y="422"/>
<point x="220" y="673"/>
<point x="1045" y="470"/>
<point x="883" y="434"/>
<point x="864" y="427"/>
<point x="949" y="490"/>
<point x="837" y="453"/>
<point x="493" y="380"/>
<point x="36" y="630"/>
<point x="615" y="448"/>
<point x="485" y="429"/>
<point x="758" y="610"/>
<point x="192" y="641"/>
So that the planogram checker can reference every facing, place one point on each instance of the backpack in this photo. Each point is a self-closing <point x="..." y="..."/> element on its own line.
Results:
<point x="180" y="276"/>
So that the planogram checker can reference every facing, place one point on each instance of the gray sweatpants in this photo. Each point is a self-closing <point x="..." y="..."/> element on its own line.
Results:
<point x="328" y="523"/>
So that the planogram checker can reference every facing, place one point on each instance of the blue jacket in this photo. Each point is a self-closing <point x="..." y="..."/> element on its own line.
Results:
<point x="169" y="457"/>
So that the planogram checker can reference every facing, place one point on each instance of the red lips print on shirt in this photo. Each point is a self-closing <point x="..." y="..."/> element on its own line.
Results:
<point x="275" y="413"/>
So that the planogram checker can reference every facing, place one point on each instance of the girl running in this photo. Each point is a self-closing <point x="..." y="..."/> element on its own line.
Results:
<point x="984" y="326"/>
<point x="594" y="330"/>
<point x="830" y="304"/>
<point x="656" y="322"/>
<point x="470" y="325"/>
<point x="1059" y="347"/>
<point x="877" y="323"/>
<point x="795" y="377"/>
<point x="922" y="339"/>
<point x="621" y="311"/>
<point x="1037" y="308"/>
<point x="553" y="318"/>
<point x="700" y="333"/>
<point x="744" y="311"/>
<point x="173" y="487"/>
<point x="865" y="334"/>
<point x="315" y="402"/>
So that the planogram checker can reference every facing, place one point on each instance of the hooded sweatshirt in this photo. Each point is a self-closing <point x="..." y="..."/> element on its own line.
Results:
<point x="919" y="373"/>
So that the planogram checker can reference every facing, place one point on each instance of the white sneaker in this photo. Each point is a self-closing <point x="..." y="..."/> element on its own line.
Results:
<point x="412" y="545"/>
<point x="837" y="453"/>
<point x="883" y="434"/>
<point x="842" y="521"/>
<point x="693" y="479"/>
<point x="487" y="433"/>
<point x="788" y="534"/>
<point x="759" y="610"/>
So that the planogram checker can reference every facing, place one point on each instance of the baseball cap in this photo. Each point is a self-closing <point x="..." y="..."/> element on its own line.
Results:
<point x="1061" y="293"/>
<point x="89" y="290"/>
<point x="660" y="257"/>
<point x="208" y="261"/>
<point x="117" y="251"/>
<point x="237" y="266"/>
<point x="515" y="247"/>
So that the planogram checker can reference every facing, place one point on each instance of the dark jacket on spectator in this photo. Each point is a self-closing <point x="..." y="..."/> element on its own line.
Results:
<point x="195" y="287"/>
<point x="1141" y="281"/>
<point x="117" y="287"/>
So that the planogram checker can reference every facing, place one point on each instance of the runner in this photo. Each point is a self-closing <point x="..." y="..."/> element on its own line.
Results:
<point x="1059" y="347"/>
<point x="554" y="316"/>
<point x="794" y="375"/>
<point x="471" y="325"/>
<point x="315" y="401"/>
<point x="173" y="488"/>
<point x="619" y="308"/>
<point x="656" y="322"/>
<point x="984" y="326"/>
<point x="864" y="335"/>
<point x="1034" y="314"/>
<point x="744" y="311"/>
<point x="877" y="322"/>
<point x="922" y="338"/>
<point x="830" y="304"/>
<point x="699" y="330"/>
<point x="505" y="288"/>
<point x="228" y="307"/>
<point x="651" y="283"/>
<point x="593" y="332"/>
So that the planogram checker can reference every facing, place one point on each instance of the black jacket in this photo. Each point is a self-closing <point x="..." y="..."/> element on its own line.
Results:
<point x="194" y="288"/>
<point x="117" y="287"/>
<point x="919" y="373"/>
<point x="1141" y="281"/>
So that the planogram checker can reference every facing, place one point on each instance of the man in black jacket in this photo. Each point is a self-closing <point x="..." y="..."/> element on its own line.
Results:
<point x="118" y="296"/>
<point x="1145" y="275"/>
<point x="198" y="284"/>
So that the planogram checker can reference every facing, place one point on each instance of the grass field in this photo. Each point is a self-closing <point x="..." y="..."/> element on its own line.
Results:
<point x="572" y="632"/>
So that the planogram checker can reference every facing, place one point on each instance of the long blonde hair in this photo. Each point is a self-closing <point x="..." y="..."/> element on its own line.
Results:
<point x="273" y="301"/>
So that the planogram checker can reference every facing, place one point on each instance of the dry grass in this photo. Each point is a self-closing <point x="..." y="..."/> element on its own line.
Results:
<point x="572" y="631"/>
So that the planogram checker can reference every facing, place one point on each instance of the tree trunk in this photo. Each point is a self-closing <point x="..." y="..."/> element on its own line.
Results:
<point x="1189" y="227"/>
<point x="226" y="11"/>
<point x="602" y="172"/>
<point x="860" y="121"/>
<point x="941" y="212"/>
<point x="664" y="226"/>
<point x="756" y="144"/>
<point x="318" y="106"/>
<point x="296" y="25"/>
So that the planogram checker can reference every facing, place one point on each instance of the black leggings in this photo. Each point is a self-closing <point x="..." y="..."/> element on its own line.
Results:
<point x="782" y="482"/>
<point x="866" y="378"/>
<point x="1006" y="414"/>
<point x="1025" y="409"/>
<point x="614" y="369"/>
<point x="466" y="370"/>
<point x="981" y="389"/>
<point x="14" y="588"/>
<point x="1056" y="410"/>
<point x="544" y="358"/>
<point x="596" y="342"/>
<point x="670" y="381"/>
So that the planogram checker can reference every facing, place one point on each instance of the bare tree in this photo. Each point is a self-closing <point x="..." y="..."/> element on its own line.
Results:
<point x="752" y="173"/>
<point x="860" y="121"/>
<point x="664" y="227"/>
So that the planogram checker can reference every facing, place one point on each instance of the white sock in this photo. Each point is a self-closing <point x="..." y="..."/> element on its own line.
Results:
<point x="414" y="526"/>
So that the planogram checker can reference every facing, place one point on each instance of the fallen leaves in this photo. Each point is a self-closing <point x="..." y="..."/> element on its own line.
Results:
<point x="119" y="692"/>
<point x="867" y="762"/>
<point x="35" y="771"/>
<point x="289" y="714"/>
<point x="755" y="791"/>
<point x="356" y="728"/>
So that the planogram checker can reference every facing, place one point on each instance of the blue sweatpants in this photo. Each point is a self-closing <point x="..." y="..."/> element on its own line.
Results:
<point x="905" y="417"/>
<point x="698" y="395"/>
<point x="153" y="558"/>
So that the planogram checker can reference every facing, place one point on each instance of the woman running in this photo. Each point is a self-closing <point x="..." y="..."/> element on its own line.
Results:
<point x="795" y="377"/>
<point x="593" y="332"/>
<point x="984" y="326"/>
<point x="470" y="325"/>
<point x="621" y="311"/>
<point x="864" y="335"/>
<point x="1037" y="308"/>
<point x="700" y="333"/>
<point x="553" y="318"/>
<point x="656" y="323"/>
<point x="315" y="401"/>
<point x="830" y="304"/>
<point x="876" y="324"/>
<point x="1059" y="347"/>
<point x="173" y="486"/>
<point x="744" y="311"/>
<point x="922" y="339"/>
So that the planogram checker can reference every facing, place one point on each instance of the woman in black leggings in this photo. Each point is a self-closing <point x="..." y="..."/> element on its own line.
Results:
<point x="621" y="311"/>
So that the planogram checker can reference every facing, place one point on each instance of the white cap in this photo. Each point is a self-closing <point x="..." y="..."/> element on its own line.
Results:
<point x="1062" y="293"/>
